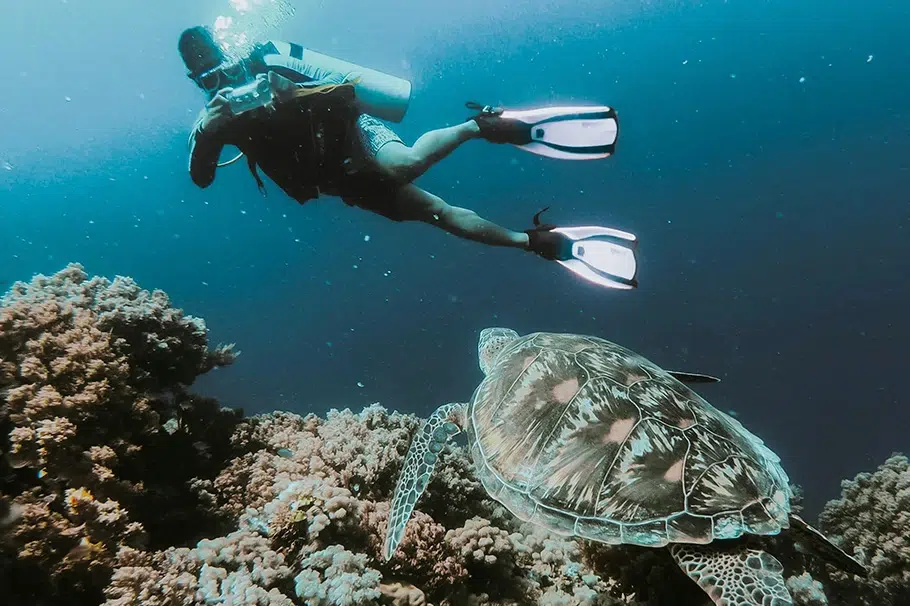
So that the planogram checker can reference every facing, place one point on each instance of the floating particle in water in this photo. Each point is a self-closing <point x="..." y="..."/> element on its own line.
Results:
<point x="67" y="99"/>
<point x="733" y="76"/>
<point x="802" y="79"/>
<point x="366" y="238"/>
<point x="869" y="59"/>
<point x="359" y="384"/>
<point x="686" y="62"/>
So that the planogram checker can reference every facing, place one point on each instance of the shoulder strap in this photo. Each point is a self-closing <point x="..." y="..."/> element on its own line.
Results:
<point x="251" y="164"/>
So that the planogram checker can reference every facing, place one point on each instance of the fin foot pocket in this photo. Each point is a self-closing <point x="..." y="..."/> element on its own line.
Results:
<point x="496" y="129"/>
<point x="565" y="133"/>
<point x="601" y="255"/>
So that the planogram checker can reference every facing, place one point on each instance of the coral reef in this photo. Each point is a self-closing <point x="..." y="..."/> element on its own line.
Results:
<point x="872" y="521"/>
<point x="94" y="416"/>
<point x="119" y="486"/>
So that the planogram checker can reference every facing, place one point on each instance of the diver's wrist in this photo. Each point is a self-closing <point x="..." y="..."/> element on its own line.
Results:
<point x="209" y="134"/>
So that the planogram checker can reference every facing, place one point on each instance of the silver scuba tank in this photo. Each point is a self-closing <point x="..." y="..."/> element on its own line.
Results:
<point x="379" y="94"/>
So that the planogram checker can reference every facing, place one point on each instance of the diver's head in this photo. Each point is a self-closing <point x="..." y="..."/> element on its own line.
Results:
<point x="199" y="51"/>
<point x="206" y="64"/>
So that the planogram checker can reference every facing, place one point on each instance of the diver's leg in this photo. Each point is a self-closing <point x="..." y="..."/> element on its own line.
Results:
<point x="405" y="163"/>
<point x="414" y="204"/>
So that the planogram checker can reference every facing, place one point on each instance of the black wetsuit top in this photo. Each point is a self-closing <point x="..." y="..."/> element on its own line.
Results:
<point x="301" y="145"/>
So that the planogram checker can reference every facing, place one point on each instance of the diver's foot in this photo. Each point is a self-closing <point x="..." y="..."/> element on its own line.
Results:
<point x="547" y="243"/>
<point x="550" y="244"/>
<point x="496" y="129"/>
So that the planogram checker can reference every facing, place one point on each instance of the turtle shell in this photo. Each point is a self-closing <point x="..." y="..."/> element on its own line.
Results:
<point x="587" y="438"/>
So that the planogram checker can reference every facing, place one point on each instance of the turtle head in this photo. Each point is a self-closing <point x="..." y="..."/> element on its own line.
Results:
<point x="491" y="342"/>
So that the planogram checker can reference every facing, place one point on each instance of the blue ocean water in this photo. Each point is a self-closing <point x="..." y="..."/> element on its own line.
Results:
<point x="764" y="163"/>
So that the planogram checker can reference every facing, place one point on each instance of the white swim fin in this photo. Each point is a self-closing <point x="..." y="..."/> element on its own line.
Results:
<point x="565" y="133"/>
<point x="602" y="255"/>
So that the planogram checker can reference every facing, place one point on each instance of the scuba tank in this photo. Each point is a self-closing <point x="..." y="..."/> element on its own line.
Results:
<point x="376" y="93"/>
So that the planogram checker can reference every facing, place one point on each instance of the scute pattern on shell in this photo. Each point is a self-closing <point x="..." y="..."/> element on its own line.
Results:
<point x="589" y="438"/>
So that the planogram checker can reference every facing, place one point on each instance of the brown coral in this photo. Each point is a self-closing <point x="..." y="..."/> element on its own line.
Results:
<point x="287" y="510"/>
<point x="94" y="411"/>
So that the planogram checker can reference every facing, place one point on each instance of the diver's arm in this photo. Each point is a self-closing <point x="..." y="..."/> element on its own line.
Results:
<point x="206" y="140"/>
<point x="204" y="154"/>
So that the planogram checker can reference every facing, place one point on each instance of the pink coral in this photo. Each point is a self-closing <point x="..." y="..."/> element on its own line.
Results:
<point x="237" y="569"/>
<point x="96" y="412"/>
<point x="403" y="594"/>
<point x="93" y="374"/>
<point x="335" y="576"/>
<point x="424" y="554"/>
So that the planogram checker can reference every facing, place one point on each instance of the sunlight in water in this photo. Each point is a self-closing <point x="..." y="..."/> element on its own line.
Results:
<point x="249" y="21"/>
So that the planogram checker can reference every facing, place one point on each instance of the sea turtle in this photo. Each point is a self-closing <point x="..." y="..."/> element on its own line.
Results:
<point x="589" y="439"/>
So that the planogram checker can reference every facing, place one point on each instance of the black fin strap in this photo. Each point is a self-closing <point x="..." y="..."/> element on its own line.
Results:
<point x="251" y="163"/>
<point x="483" y="109"/>
<point x="538" y="226"/>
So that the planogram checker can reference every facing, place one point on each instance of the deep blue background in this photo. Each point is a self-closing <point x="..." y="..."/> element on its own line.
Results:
<point x="773" y="212"/>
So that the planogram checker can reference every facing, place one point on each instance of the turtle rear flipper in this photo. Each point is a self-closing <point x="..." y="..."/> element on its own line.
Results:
<point x="735" y="576"/>
<point x="821" y="546"/>
<point x="445" y="422"/>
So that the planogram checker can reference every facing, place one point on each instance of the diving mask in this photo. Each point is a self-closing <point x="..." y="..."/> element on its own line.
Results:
<point x="223" y="76"/>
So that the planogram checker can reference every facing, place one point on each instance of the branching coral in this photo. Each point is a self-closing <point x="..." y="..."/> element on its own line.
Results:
<point x="239" y="569"/>
<point x="94" y="412"/>
<point x="806" y="591"/>
<point x="872" y="521"/>
<point x="117" y="483"/>
<point x="336" y="577"/>
<point x="308" y="488"/>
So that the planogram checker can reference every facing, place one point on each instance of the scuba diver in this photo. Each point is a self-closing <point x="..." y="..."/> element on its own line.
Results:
<point x="312" y="124"/>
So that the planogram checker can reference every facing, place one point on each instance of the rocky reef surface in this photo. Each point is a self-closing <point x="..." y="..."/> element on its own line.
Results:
<point x="119" y="486"/>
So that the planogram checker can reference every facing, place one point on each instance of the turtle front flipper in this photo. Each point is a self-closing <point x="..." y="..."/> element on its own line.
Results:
<point x="735" y="576"/>
<point x="445" y="422"/>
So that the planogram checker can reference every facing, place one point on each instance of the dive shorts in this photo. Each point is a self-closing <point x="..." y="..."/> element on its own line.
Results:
<point x="372" y="135"/>
<point x="367" y="188"/>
